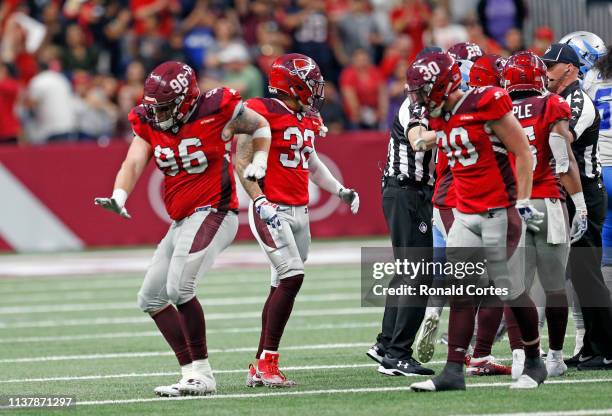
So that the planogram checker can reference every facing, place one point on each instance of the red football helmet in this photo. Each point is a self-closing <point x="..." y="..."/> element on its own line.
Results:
<point x="170" y="93"/>
<point x="465" y="51"/>
<point x="299" y="77"/>
<point x="525" y="71"/>
<point x="431" y="79"/>
<point x="487" y="71"/>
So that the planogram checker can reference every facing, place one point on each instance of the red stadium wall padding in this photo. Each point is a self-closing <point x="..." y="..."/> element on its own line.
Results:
<point x="64" y="179"/>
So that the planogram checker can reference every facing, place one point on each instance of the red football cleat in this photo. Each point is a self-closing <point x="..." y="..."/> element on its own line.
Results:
<point x="268" y="372"/>
<point x="253" y="379"/>
<point x="486" y="366"/>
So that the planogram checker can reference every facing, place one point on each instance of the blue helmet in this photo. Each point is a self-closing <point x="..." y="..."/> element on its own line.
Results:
<point x="588" y="46"/>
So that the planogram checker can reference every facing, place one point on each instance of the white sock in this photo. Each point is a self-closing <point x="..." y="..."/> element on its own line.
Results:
<point x="556" y="354"/>
<point x="264" y="352"/>
<point x="187" y="370"/>
<point x="202" y="367"/>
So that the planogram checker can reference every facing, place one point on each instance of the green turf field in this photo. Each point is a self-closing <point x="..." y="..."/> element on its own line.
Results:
<point x="84" y="337"/>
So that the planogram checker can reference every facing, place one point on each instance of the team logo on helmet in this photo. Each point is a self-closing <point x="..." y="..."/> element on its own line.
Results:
<point x="302" y="67"/>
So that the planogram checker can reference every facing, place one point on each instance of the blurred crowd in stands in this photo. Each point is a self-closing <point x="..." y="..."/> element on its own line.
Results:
<point x="72" y="69"/>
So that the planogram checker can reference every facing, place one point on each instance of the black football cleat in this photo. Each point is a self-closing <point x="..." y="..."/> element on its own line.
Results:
<point x="451" y="378"/>
<point x="596" y="363"/>
<point x="533" y="375"/>
<point x="376" y="352"/>
<point x="578" y="359"/>
<point x="408" y="367"/>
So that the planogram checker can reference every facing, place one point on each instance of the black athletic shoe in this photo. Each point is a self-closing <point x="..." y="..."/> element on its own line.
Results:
<point x="408" y="367"/>
<point x="533" y="375"/>
<point x="578" y="359"/>
<point x="376" y="352"/>
<point x="451" y="378"/>
<point x="596" y="363"/>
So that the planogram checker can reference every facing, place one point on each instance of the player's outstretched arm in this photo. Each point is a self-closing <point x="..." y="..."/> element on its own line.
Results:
<point x="137" y="158"/>
<point x="567" y="168"/>
<point x="323" y="178"/>
<point x="509" y="131"/>
<point x="257" y="129"/>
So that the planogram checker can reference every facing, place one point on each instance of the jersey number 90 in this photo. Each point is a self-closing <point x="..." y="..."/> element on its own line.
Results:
<point x="457" y="147"/>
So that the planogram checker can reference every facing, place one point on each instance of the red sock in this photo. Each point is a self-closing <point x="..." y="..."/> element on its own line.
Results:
<point x="489" y="318"/>
<point x="514" y="333"/>
<point x="460" y="328"/>
<point x="264" y="319"/>
<point x="192" y="317"/>
<point x="526" y="316"/>
<point x="279" y="310"/>
<point x="169" y="323"/>
<point x="556" y="318"/>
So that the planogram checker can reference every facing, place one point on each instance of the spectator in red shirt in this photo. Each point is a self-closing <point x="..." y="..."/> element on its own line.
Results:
<point x="400" y="51"/>
<point x="542" y="39"/>
<point x="364" y="92"/>
<point x="163" y="10"/>
<point x="410" y="18"/>
<point x="10" y="127"/>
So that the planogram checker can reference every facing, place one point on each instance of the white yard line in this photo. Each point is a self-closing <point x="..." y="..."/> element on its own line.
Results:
<point x="204" y="291"/>
<point x="584" y="412"/>
<point x="166" y="353"/>
<point x="174" y="373"/>
<point x="113" y="335"/>
<point x="322" y="391"/>
<point x="241" y="300"/>
<point x="54" y="323"/>
<point x="228" y="279"/>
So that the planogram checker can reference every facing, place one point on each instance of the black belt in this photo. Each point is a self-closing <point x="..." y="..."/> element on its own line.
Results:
<point x="403" y="181"/>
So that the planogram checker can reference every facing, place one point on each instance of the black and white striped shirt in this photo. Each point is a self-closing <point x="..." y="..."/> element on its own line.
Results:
<point x="418" y="166"/>
<point x="584" y="126"/>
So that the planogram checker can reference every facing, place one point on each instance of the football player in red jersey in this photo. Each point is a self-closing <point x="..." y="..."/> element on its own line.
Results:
<point x="296" y="82"/>
<point x="476" y="130"/>
<point x="486" y="71"/>
<point x="465" y="54"/>
<point x="189" y="136"/>
<point x="545" y="120"/>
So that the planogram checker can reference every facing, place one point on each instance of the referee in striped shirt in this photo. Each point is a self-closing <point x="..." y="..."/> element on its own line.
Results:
<point x="585" y="256"/>
<point x="407" y="188"/>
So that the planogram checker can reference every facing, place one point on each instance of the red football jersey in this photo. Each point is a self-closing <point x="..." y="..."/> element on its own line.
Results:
<point x="537" y="114"/>
<point x="286" y="180"/>
<point x="196" y="161"/>
<point x="482" y="173"/>
<point x="444" y="195"/>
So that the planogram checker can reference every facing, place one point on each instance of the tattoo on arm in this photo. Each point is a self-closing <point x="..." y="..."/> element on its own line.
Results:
<point x="246" y="121"/>
<point x="244" y="155"/>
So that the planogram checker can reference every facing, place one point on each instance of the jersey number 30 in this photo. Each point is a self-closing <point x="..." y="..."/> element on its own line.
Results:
<point x="299" y="150"/>
<point x="194" y="162"/>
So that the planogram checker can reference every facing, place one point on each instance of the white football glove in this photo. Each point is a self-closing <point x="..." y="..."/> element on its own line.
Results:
<point x="267" y="211"/>
<point x="580" y="222"/>
<point x="530" y="215"/>
<point x="257" y="168"/>
<point x="115" y="203"/>
<point x="351" y="197"/>
<point x="323" y="130"/>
